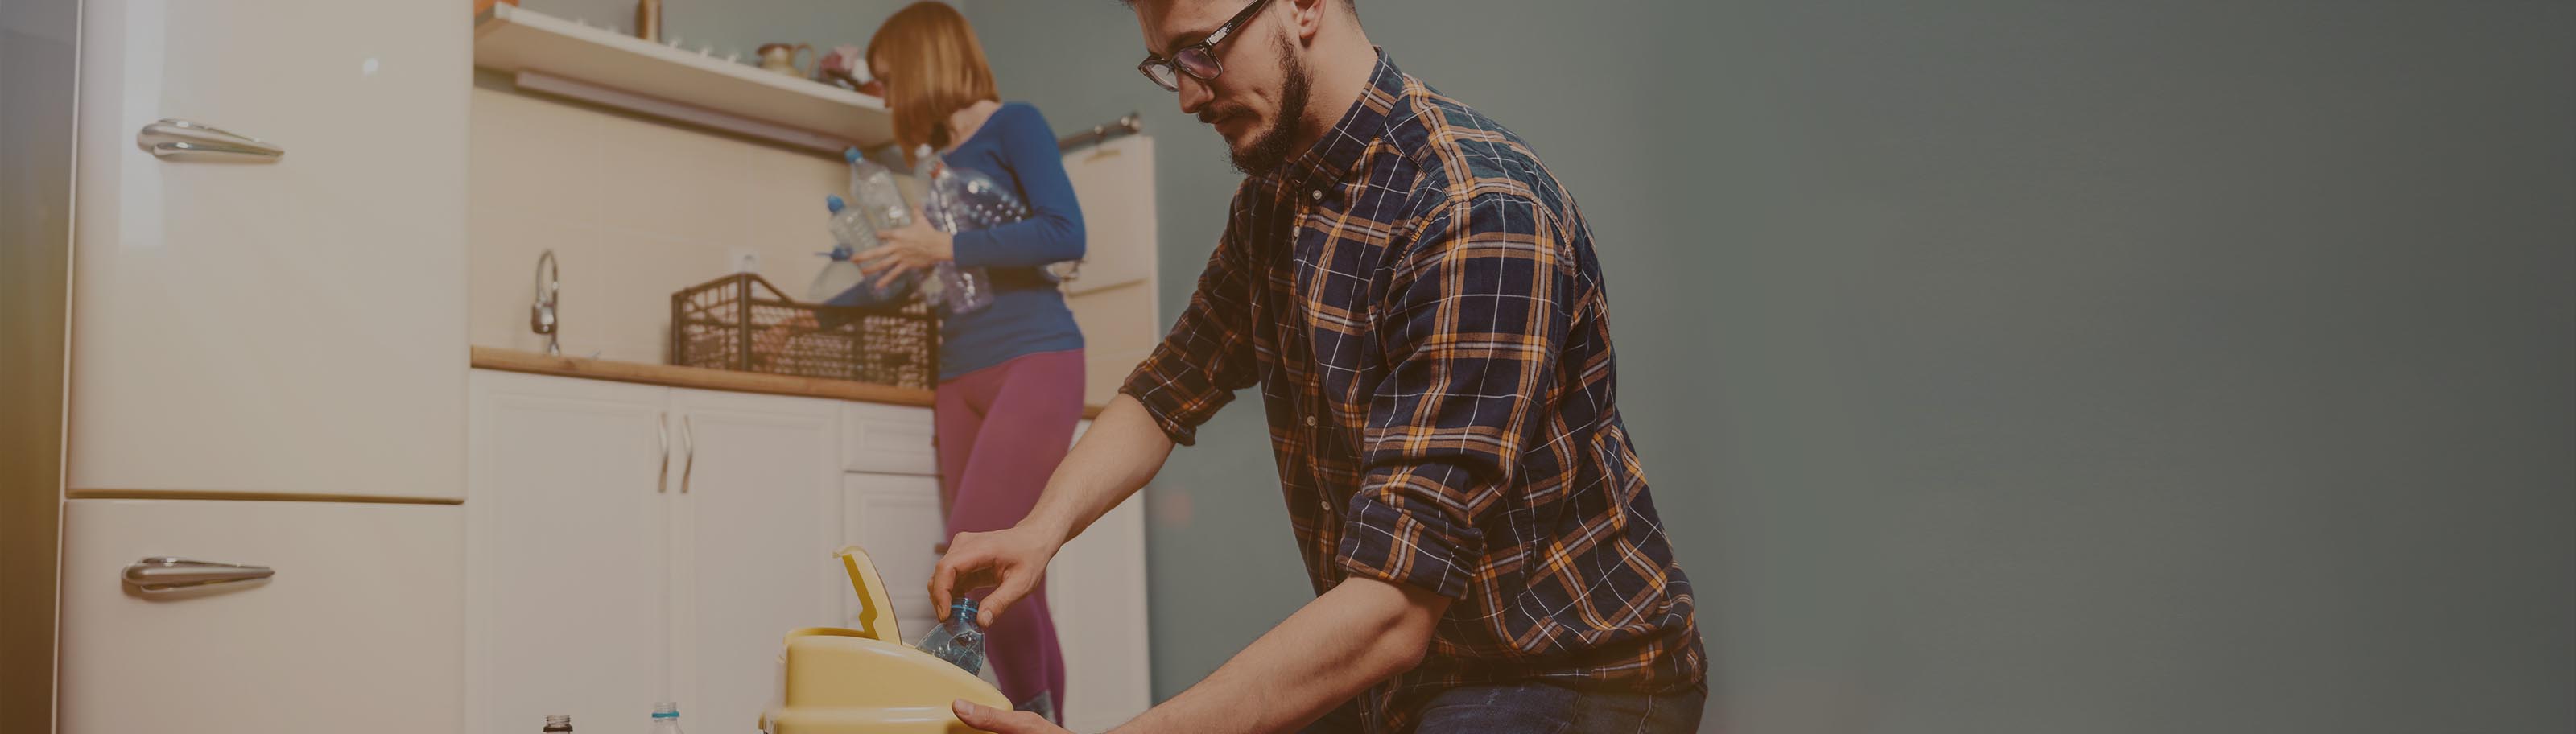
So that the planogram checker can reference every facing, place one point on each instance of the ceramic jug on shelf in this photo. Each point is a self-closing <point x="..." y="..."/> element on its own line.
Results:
<point x="781" y="58"/>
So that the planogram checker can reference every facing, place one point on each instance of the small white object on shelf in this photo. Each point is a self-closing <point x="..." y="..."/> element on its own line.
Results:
<point x="690" y="85"/>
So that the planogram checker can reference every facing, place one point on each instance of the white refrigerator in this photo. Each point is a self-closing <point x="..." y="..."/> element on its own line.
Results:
<point x="264" y="443"/>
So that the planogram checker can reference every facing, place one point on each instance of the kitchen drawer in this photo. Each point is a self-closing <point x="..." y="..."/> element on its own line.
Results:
<point x="887" y="439"/>
<point x="361" y="628"/>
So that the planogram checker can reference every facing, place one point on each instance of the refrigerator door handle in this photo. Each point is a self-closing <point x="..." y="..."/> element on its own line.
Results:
<point x="172" y="137"/>
<point x="164" y="574"/>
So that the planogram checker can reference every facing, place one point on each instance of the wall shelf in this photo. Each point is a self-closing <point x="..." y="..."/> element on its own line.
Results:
<point x="560" y="57"/>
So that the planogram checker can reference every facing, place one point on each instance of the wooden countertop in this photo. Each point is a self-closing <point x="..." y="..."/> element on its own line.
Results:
<point x="512" y="360"/>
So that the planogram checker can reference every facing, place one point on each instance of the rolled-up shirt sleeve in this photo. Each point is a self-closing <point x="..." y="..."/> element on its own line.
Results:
<point x="1208" y="355"/>
<point x="1472" y="323"/>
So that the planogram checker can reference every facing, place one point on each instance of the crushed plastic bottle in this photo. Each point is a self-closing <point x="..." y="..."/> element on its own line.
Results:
<point x="963" y="290"/>
<point x="964" y="200"/>
<point x="958" y="640"/>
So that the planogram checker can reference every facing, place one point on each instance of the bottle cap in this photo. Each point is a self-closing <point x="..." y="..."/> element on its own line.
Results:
<point x="850" y="155"/>
<point x="834" y="202"/>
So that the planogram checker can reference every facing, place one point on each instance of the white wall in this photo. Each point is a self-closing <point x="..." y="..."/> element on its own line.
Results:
<point x="634" y="210"/>
<point x="637" y="209"/>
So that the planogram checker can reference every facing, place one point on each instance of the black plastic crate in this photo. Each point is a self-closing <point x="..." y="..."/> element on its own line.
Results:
<point x="741" y="322"/>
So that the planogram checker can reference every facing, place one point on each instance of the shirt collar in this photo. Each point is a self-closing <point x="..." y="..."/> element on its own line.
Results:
<point x="1333" y="156"/>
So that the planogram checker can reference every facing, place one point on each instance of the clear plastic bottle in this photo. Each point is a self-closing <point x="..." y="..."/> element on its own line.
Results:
<point x="840" y="282"/>
<point x="968" y="289"/>
<point x="958" y="640"/>
<point x="882" y="207"/>
<point x="873" y="187"/>
<point x="666" y="718"/>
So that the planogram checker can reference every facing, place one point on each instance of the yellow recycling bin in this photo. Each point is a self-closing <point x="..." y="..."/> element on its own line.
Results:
<point x="865" y="680"/>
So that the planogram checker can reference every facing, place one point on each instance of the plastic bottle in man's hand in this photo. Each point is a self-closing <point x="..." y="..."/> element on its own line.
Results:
<point x="958" y="640"/>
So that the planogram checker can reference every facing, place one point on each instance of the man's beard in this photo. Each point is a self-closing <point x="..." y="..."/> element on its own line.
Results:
<point x="1270" y="149"/>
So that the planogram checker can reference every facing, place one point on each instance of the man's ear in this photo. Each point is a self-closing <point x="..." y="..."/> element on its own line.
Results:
<point x="1307" y="17"/>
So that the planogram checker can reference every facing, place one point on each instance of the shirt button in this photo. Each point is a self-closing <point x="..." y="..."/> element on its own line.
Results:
<point x="1326" y="504"/>
<point x="1310" y="421"/>
<point x="1317" y="194"/>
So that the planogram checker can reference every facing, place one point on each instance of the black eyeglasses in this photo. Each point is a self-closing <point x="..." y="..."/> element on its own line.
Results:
<point x="1199" y="59"/>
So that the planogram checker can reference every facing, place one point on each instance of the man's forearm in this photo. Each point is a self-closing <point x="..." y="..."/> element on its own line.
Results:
<point x="1361" y="632"/>
<point x="1121" y="452"/>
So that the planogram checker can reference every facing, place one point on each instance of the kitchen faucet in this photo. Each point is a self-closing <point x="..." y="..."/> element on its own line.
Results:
<point x="541" y="316"/>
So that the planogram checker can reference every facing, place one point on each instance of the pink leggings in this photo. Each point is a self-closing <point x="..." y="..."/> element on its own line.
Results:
<point x="1002" y="431"/>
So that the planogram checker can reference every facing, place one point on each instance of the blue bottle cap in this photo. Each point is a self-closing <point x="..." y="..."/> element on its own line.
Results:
<point x="850" y="155"/>
<point x="834" y="202"/>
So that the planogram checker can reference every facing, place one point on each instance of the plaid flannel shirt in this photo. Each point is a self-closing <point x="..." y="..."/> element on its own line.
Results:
<point x="1419" y="301"/>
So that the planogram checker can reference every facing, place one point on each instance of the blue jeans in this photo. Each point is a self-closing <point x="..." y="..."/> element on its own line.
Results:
<point x="1540" y="708"/>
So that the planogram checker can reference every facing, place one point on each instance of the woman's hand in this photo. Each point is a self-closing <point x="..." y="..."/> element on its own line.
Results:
<point x="917" y="246"/>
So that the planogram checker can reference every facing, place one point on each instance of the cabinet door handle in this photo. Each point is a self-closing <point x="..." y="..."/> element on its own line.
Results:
<point x="689" y="463"/>
<point x="175" y="137"/>
<point x="162" y="574"/>
<point x="663" y="426"/>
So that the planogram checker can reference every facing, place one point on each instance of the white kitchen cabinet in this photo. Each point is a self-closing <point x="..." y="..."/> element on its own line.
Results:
<point x="761" y="516"/>
<point x="568" y="542"/>
<point x="897" y="519"/>
<point x="888" y="439"/>
<point x="601" y="581"/>
<point x="253" y="325"/>
<point x="1096" y="587"/>
<point x="360" y="628"/>
<point x="635" y="543"/>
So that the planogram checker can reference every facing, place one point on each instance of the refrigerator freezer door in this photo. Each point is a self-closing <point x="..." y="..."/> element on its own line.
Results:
<point x="358" y="627"/>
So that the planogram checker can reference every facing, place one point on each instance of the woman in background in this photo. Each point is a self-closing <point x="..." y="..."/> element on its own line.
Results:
<point x="1010" y="375"/>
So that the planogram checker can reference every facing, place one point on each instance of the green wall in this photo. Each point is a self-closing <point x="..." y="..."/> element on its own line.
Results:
<point x="2014" y="366"/>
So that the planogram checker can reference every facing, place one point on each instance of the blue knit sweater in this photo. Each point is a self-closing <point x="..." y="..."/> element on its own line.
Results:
<point x="1028" y="314"/>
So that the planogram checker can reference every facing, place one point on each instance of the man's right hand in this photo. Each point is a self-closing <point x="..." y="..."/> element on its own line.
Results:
<point x="1115" y="458"/>
<point x="1010" y="561"/>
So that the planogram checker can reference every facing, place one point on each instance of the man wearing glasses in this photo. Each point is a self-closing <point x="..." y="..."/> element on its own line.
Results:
<point x="1418" y="300"/>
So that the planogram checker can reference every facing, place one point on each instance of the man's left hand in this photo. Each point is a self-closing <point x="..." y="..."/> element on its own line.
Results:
<point x="998" y="721"/>
<point x="917" y="246"/>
